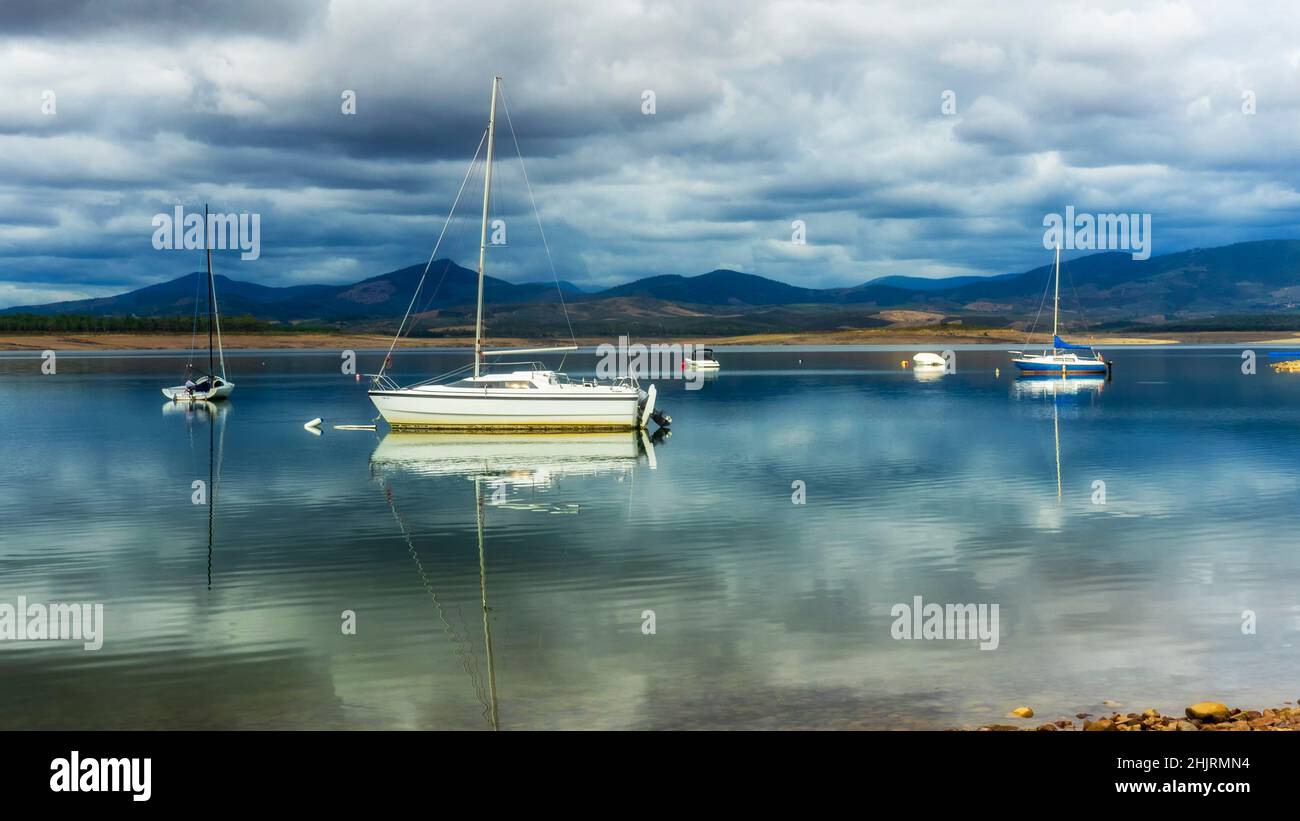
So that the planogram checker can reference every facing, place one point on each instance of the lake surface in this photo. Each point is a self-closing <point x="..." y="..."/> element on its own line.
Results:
<point x="767" y="613"/>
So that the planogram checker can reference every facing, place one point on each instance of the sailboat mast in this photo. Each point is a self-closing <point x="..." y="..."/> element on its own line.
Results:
<point x="482" y="246"/>
<point x="1056" y="299"/>
<point x="211" y="290"/>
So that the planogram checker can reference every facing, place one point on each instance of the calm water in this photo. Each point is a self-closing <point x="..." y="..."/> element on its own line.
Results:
<point x="767" y="613"/>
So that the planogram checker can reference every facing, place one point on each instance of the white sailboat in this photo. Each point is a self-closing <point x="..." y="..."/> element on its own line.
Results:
<point x="526" y="398"/>
<point x="1062" y="361"/>
<point x="210" y="386"/>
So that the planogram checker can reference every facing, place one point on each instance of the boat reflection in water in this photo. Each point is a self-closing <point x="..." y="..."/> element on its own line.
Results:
<point x="1058" y="389"/>
<point x="498" y="464"/>
<point x="1056" y="386"/>
<point x="213" y="415"/>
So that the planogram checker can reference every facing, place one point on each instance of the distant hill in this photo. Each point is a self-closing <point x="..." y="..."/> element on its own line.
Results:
<point x="721" y="288"/>
<point x="1246" y="279"/>
<point x="923" y="284"/>
<point x="386" y="295"/>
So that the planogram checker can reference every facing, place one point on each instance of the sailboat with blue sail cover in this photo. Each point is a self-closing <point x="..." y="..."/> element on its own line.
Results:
<point x="1064" y="359"/>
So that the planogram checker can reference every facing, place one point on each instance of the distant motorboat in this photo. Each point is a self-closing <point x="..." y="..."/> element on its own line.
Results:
<point x="928" y="360"/>
<point x="1062" y="361"/>
<point x="705" y="362"/>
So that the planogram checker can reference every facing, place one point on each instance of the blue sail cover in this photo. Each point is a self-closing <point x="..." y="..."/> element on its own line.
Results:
<point x="1062" y="345"/>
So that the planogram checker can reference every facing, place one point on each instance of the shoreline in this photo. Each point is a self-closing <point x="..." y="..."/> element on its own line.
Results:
<point x="1202" y="716"/>
<point x="919" y="337"/>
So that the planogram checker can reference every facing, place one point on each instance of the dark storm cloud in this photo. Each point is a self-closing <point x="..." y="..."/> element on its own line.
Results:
<point x="157" y="17"/>
<point x="828" y="113"/>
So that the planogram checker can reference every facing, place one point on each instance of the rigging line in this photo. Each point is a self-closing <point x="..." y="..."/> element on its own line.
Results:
<point x="550" y="261"/>
<point x="433" y="295"/>
<point x="432" y="254"/>
<point x="216" y="318"/>
<point x="1039" y="315"/>
<point x="1083" y="319"/>
<point x="194" y="331"/>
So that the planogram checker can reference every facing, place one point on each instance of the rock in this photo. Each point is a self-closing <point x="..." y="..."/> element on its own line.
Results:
<point x="1082" y="715"/>
<point x="1023" y="712"/>
<point x="1100" y="725"/>
<point x="1187" y="727"/>
<point x="1152" y="713"/>
<point x="1208" y="711"/>
<point x="1048" y="728"/>
<point x="999" y="728"/>
<point x="1110" y="703"/>
<point x="1065" y="722"/>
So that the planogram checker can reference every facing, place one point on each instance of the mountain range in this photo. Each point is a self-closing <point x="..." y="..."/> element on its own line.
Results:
<point x="1244" y="279"/>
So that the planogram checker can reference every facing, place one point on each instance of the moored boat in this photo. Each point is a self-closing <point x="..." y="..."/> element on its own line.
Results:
<point x="703" y="362"/>
<point x="928" y="360"/>
<point x="1064" y="359"/>
<point x="531" y="398"/>
<point x="208" y="387"/>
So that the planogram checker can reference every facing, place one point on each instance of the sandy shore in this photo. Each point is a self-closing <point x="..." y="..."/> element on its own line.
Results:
<point x="923" y="337"/>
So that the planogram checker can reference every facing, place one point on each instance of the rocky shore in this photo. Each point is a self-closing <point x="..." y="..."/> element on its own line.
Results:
<point x="1206" y="715"/>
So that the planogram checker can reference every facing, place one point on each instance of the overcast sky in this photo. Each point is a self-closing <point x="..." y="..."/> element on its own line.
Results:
<point x="764" y="113"/>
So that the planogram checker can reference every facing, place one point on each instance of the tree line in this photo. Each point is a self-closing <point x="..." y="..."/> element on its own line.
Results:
<point x="88" y="323"/>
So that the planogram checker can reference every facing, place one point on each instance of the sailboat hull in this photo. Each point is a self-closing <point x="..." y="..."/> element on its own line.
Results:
<point x="1052" y="366"/>
<point x="426" y="409"/>
<point x="180" y="394"/>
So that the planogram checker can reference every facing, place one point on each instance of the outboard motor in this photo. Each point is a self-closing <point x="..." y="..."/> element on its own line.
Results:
<point x="648" y="410"/>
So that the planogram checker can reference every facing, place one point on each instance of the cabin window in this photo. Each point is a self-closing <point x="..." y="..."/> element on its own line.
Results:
<point x="518" y="384"/>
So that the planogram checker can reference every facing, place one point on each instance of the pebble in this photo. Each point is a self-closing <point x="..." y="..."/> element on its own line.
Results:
<point x="1208" y="711"/>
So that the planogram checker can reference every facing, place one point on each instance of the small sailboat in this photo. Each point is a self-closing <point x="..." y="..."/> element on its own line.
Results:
<point x="210" y="386"/>
<point x="530" y="398"/>
<point x="705" y="361"/>
<point x="1063" y="359"/>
